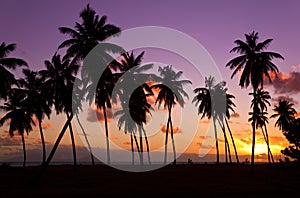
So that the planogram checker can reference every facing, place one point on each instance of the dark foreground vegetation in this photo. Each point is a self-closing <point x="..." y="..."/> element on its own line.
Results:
<point x="275" y="180"/>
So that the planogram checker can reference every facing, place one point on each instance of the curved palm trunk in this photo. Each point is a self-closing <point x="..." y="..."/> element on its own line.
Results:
<point x="172" y="135"/>
<point x="141" y="147"/>
<point x="43" y="142"/>
<point x="24" y="150"/>
<point x="106" y="134"/>
<point x="253" y="130"/>
<point x="73" y="142"/>
<point x="216" y="137"/>
<point x="166" y="143"/>
<point x="86" y="139"/>
<point x="266" y="137"/>
<point x="61" y="134"/>
<point x="227" y="148"/>
<point x="136" y="143"/>
<point x="147" y="145"/>
<point x="231" y="136"/>
<point x="132" y="150"/>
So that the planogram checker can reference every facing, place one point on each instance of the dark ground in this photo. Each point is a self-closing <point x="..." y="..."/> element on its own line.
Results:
<point x="179" y="181"/>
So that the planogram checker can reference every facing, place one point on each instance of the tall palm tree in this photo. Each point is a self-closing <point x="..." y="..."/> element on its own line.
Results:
<point x="260" y="115"/>
<point x="203" y="98"/>
<point x="135" y="101"/>
<point x="59" y="80"/>
<point x="84" y="37"/>
<point x="207" y="99"/>
<point x="7" y="79"/>
<point x="171" y="92"/>
<point x="255" y="64"/>
<point x="37" y="100"/>
<point x="285" y="113"/>
<point x="225" y="115"/>
<point x="19" y="117"/>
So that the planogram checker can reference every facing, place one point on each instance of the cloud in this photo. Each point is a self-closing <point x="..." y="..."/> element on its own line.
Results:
<point x="46" y="125"/>
<point x="287" y="83"/>
<point x="176" y="129"/>
<point x="235" y="115"/>
<point x="287" y="98"/>
<point x="96" y="115"/>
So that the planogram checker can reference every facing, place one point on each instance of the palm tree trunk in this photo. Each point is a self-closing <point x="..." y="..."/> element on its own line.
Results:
<point x="172" y="135"/>
<point x="141" y="146"/>
<point x="106" y="134"/>
<point x="43" y="142"/>
<point x="147" y="144"/>
<point x="86" y="139"/>
<point x="266" y="137"/>
<point x="253" y="130"/>
<point x="166" y="142"/>
<point x="24" y="150"/>
<point x="227" y="147"/>
<point x="136" y="143"/>
<point x="216" y="137"/>
<point x="61" y="134"/>
<point x="73" y="142"/>
<point x="235" y="150"/>
<point x="132" y="150"/>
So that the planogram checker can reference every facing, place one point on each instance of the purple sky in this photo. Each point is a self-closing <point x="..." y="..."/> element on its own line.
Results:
<point x="33" y="26"/>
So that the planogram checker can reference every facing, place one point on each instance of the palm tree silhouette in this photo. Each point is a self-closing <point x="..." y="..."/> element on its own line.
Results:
<point x="18" y="115"/>
<point x="7" y="79"/>
<point x="285" y="113"/>
<point x="87" y="34"/>
<point x="84" y="37"/>
<point x="59" y="79"/>
<point x="208" y="100"/>
<point x="171" y="92"/>
<point x="37" y="100"/>
<point x="260" y="115"/>
<point x="225" y="116"/>
<point x="255" y="64"/>
<point x="134" y="102"/>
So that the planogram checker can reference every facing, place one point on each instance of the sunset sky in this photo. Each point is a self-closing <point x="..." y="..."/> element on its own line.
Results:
<point x="33" y="26"/>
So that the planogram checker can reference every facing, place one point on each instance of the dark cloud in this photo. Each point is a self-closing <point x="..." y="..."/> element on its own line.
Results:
<point x="287" y="83"/>
<point x="96" y="115"/>
<point x="287" y="98"/>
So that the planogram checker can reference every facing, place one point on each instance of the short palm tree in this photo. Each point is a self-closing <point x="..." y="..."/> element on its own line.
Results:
<point x="19" y="117"/>
<point x="171" y="92"/>
<point x="285" y="113"/>
<point x="255" y="64"/>
<point x="7" y="79"/>
<point x="36" y="100"/>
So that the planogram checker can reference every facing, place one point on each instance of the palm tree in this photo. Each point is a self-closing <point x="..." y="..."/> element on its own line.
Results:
<point x="37" y="100"/>
<point x="171" y="92"/>
<point x="59" y="79"/>
<point x="87" y="34"/>
<point x="19" y="117"/>
<point x="255" y="64"/>
<point x="260" y="115"/>
<point x="285" y="113"/>
<point x="203" y="98"/>
<point x="225" y="115"/>
<point x="7" y="79"/>
<point x="208" y="100"/>
<point x="134" y="101"/>
<point x="84" y="37"/>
